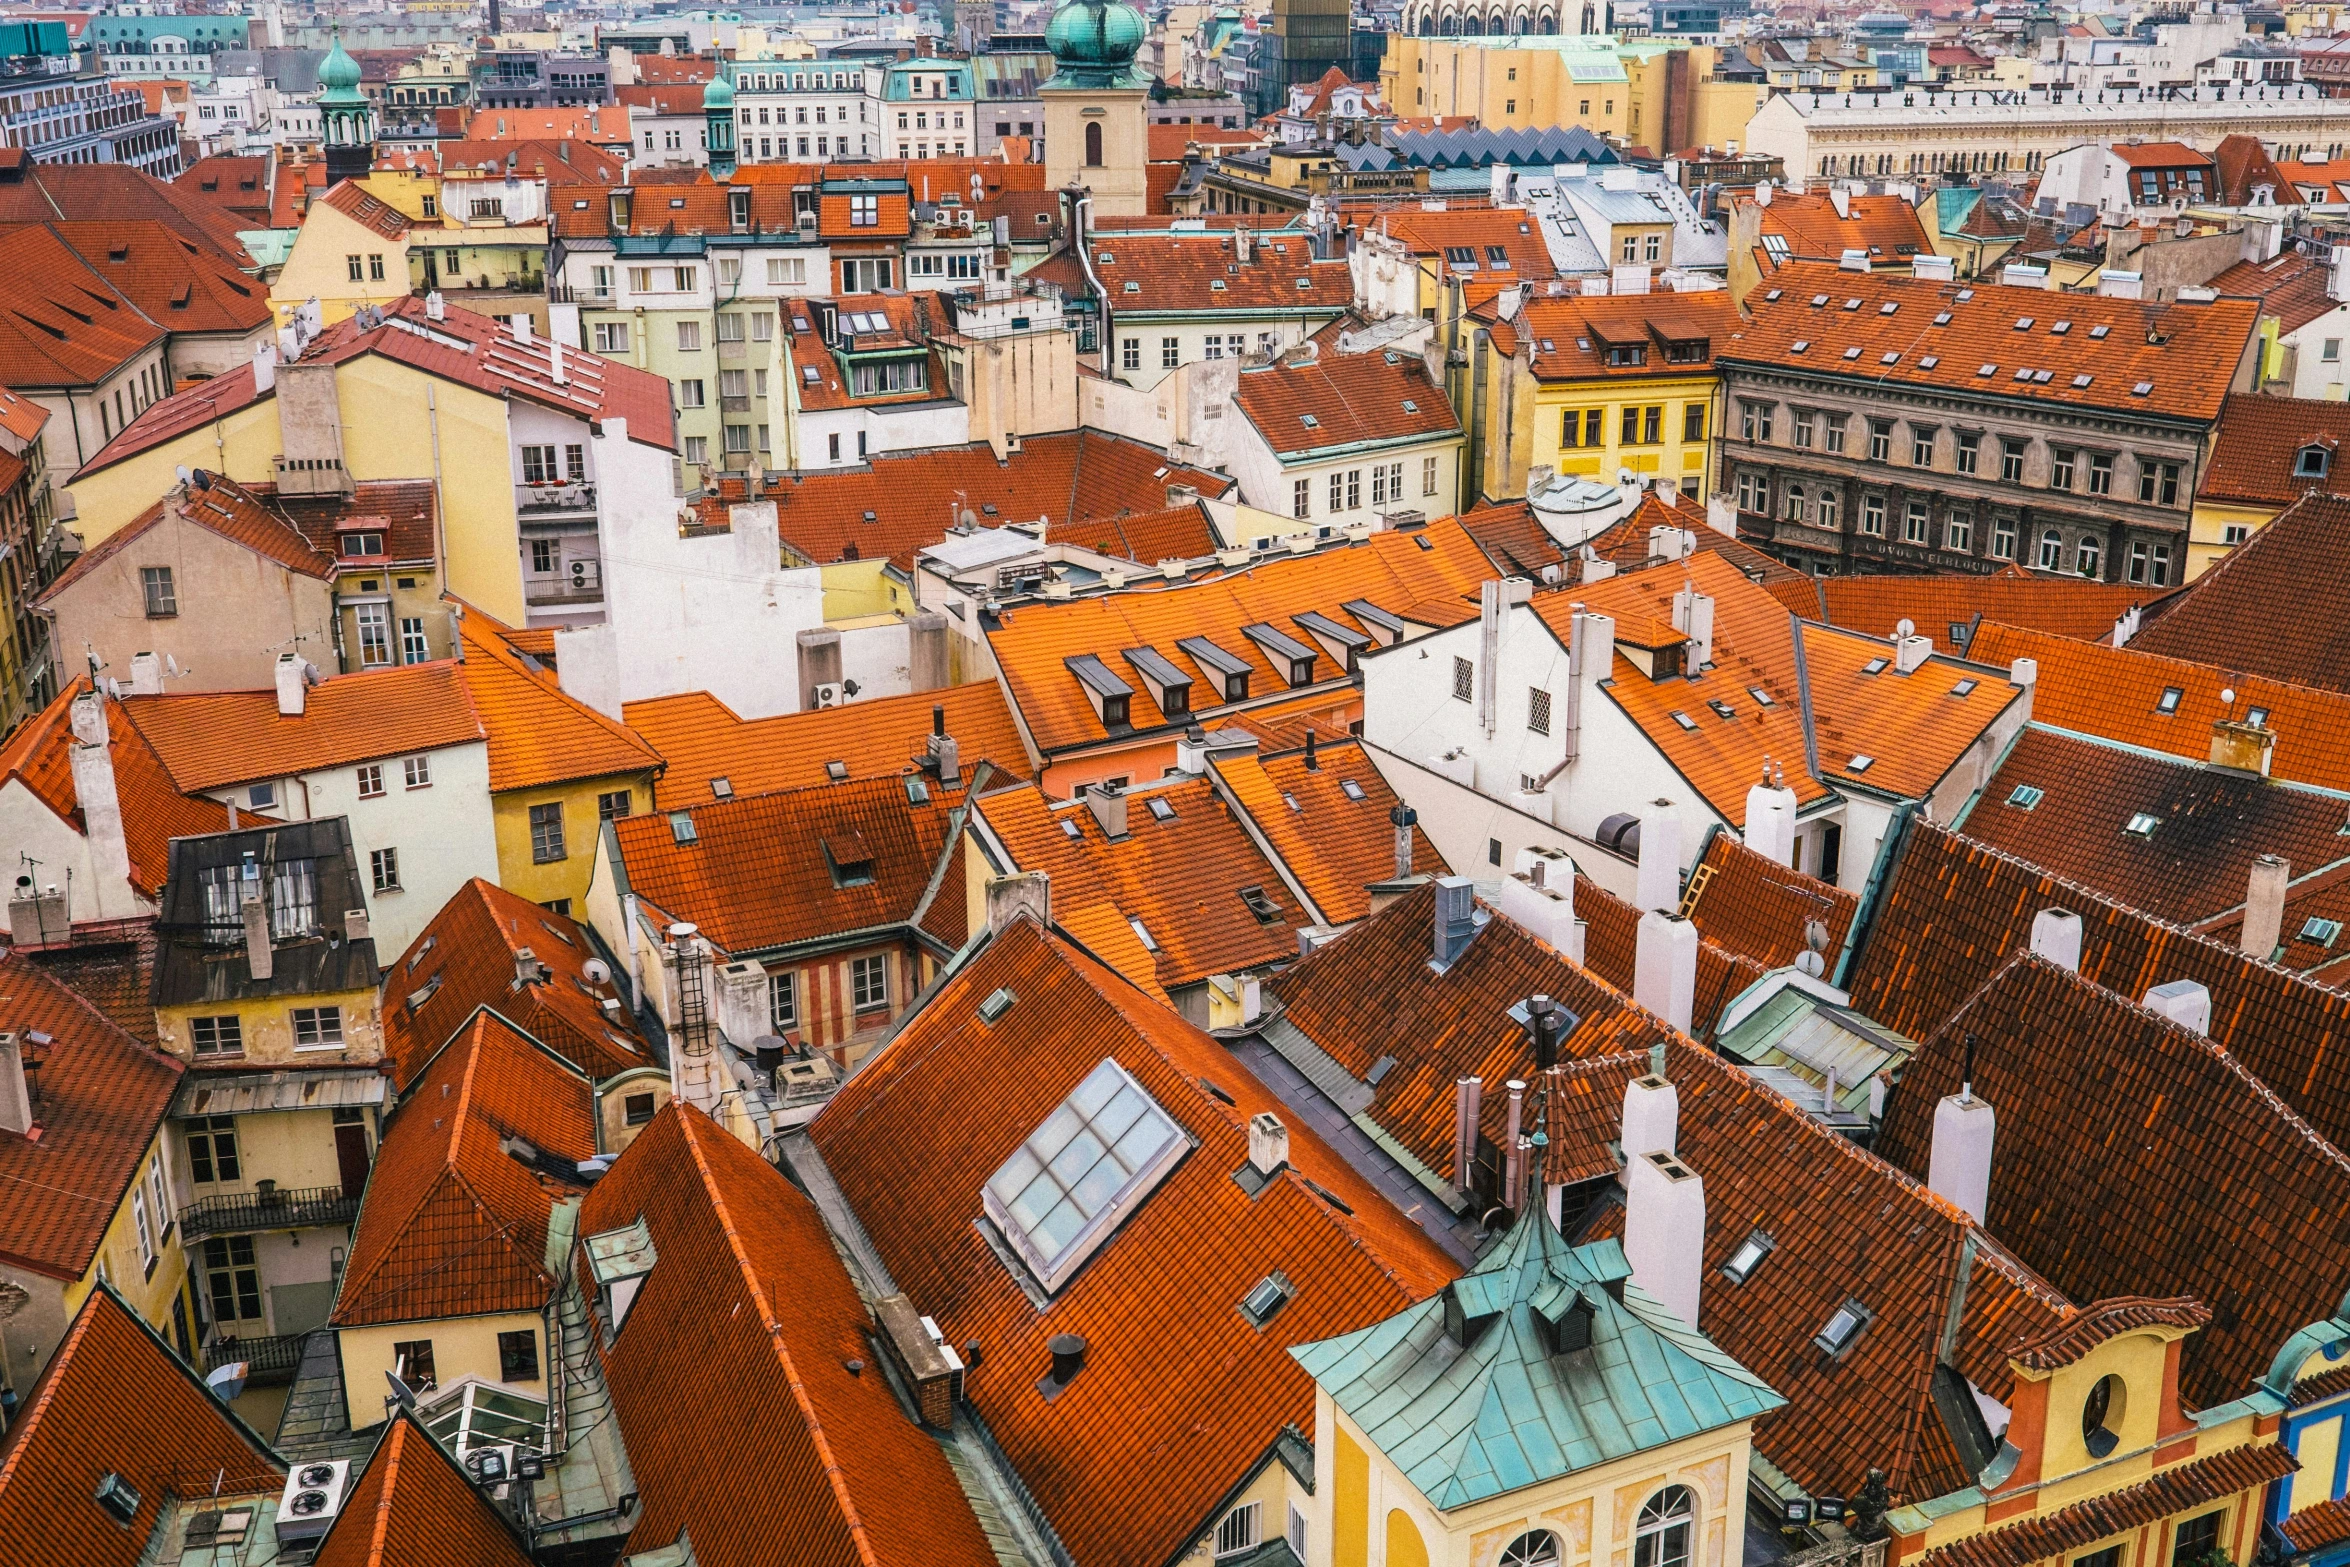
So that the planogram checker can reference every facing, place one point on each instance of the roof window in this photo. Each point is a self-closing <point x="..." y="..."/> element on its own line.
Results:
<point x="1410" y="407"/>
<point x="1271" y="1294"/>
<point x="2081" y="382"/>
<point x="1844" y="1327"/>
<point x="1070" y="829"/>
<point x="1683" y="719"/>
<point x="1132" y="287"/>
<point x="1309" y="421"/>
<point x="2169" y="701"/>
<point x="2023" y="323"/>
<point x="997" y="1004"/>
<point x="1929" y="362"/>
<point x="1860" y="764"/>
<point x="836" y="770"/>
<point x="2101" y="333"/>
<point x="1799" y="345"/>
<point x="2059" y="328"/>
<point x="1889" y="307"/>
<point x="2322" y="931"/>
<point x="1773" y="296"/>
<point x="1761" y="697"/>
<point x="1817" y="300"/>
<point x="1853" y="352"/>
<point x="2142" y="824"/>
<point x="1942" y="319"/>
<point x="2142" y="389"/>
<point x="1142" y="933"/>
<point x="1852" y="304"/>
<point x="2025" y="796"/>
<point x="1963" y="688"/>
<point x="1160" y="810"/>
<point x="1351" y="789"/>
<point x="2257" y="718"/>
<point x="681" y="827"/>
<point x="1092" y="1161"/>
<point x="917" y="790"/>
<point x="1748" y="1257"/>
<point x="2311" y="462"/>
<point x="723" y="788"/>
<point x="1261" y="904"/>
<point x="849" y="858"/>
<point x="1215" y="286"/>
<point x="1963" y="295"/>
<point x="1720" y="708"/>
<point x="1988" y="371"/>
<point x="1290" y="800"/>
<point x="1889" y="358"/>
<point x="1876" y="666"/>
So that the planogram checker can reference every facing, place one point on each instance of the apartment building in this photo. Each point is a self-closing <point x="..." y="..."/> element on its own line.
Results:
<point x="795" y="110"/>
<point x="927" y="109"/>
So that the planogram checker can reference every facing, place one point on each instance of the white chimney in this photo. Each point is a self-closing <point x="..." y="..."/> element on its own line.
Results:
<point x="1910" y="651"/>
<point x="1762" y="193"/>
<point x="264" y="366"/>
<point x="435" y="307"/>
<point x="1853" y="261"/>
<point x="293" y="683"/>
<point x="522" y="327"/>
<point x="1841" y="200"/>
<point x="1770" y="821"/>
<point x="1022" y="892"/>
<point x="1959" y="1167"/>
<point x="1664" y="968"/>
<point x="2184" y="1002"/>
<point x="2024" y="672"/>
<point x="1664" y="1230"/>
<point x="1660" y="857"/>
<point x="16" y="1100"/>
<point x="1652" y="1115"/>
<point x="2264" y="907"/>
<point x="1693" y="617"/>
<point x="91" y="759"/>
<point x="146" y="675"/>
<point x="1934" y="269"/>
<point x="1268" y="1142"/>
<point x="1108" y="804"/>
<point x="2056" y="936"/>
<point x="1468" y="1103"/>
<point x="555" y="359"/>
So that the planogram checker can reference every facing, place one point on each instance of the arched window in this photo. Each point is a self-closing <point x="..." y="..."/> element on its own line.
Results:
<point x="1535" y="1548"/>
<point x="2052" y="551"/>
<point x="1093" y="144"/>
<point x="1425" y="27"/>
<point x="1794" y="503"/>
<point x="1472" y="27"/>
<point x="2087" y="558"/>
<point x="1661" y="1538"/>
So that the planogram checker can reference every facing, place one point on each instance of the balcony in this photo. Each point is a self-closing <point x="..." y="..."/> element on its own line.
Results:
<point x="267" y="1207"/>
<point x="579" y="294"/>
<point x="267" y="1360"/>
<point x="551" y="498"/>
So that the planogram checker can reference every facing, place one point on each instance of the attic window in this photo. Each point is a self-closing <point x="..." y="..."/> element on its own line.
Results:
<point x="1271" y="1294"/>
<point x="1410" y="407"/>
<point x="1261" y="905"/>
<point x="2142" y="824"/>
<point x="2023" y="323"/>
<point x="1852" y="304"/>
<point x="681" y="827"/>
<point x="1963" y="688"/>
<point x="2311" y="462"/>
<point x="2059" y="328"/>
<point x="1889" y="359"/>
<point x="1305" y="282"/>
<point x="2081" y="382"/>
<point x="1132" y="287"/>
<point x="1817" y="300"/>
<point x="2257" y="718"/>
<point x="1748" y="1257"/>
<point x="848" y="858"/>
<point x="1860" y="764"/>
<point x="1070" y="1183"/>
<point x="1309" y="421"/>
<point x="1161" y="811"/>
<point x="836" y="770"/>
<point x="2025" y="796"/>
<point x="1875" y="666"/>
<point x="811" y="375"/>
<point x="1720" y="708"/>
<point x="1889" y="307"/>
<point x="1772" y="297"/>
<point x="1070" y="829"/>
<point x="1853" y="352"/>
<point x="1351" y="789"/>
<point x="2322" y="931"/>
<point x="1799" y="345"/>
<point x="997" y="1004"/>
<point x="2169" y="701"/>
<point x="1142" y="933"/>
<point x="2142" y="389"/>
<point x="1761" y="697"/>
<point x="1929" y="362"/>
<point x="723" y="788"/>
<point x="1683" y="719"/>
<point x="1215" y="286"/>
<point x="917" y="791"/>
<point x="118" y="1497"/>
<point x="1963" y="295"/>
<point x="1843" y="1328"/>
<point x="2101" y="332"/>
<point x="1988" y="371"/>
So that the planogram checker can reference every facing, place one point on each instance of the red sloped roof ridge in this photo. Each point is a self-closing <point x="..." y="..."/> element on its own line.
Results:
<point x="413" y="1508"/>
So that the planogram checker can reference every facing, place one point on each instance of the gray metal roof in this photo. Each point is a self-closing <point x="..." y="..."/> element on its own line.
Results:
<point x="253" y="1093"/>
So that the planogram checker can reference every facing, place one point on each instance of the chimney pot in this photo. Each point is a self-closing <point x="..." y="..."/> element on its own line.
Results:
<point x="1068" y="1351"/>
<point x="1023" y="892"/>
<point x="1108" y="804"/>
<point x="1909" y="652"/>
<point x="1468" y="1102"/>
<point x="1770" y="821"/>
<point x="1959" y="1165"/>
<point x="526" y="966"/>
<point x="1268" y="1142"/>
<point x="2024" y="672"/>
<point x="2264" y="906"/>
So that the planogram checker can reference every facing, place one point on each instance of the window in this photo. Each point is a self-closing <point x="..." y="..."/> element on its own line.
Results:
<point x="1693" y="422"/>
<point x="1170" y="352"/>
<point x="869" y="982"/>
<point x="538" y="465"/>
<point x="1835" y="434"/>
<point x="1842" y="1328"/>
<point x="1538" y="1548"/>
<point x="1301" y="498"/>
<point x="2158" y="483"/>
<point x="2100" y="473"/>
<point x="1427" y="476"/>
<point x="2060" y="468"/>
<point x="217" y="1036"/>
<point x="2051" y="551"/>
<point x="690" y="394"/>
<point x="2196" y="1539"/>
<point x="1804" y="425"/>
<point x="2003" y="538"/>
<point x="2311" y="462"/>
<point x="611" y="337"/>
<point x="1913" y="523"/>
<point x="1921" y="448"/>
<point x="1538" y="711"/>
<point x="1079" y="1173"/>
<point x="730" y="326"/>
<point x="2168" y="702"/>
<point x="1792" y="506"/>
<point x="1652" y="425"/>
<point x="1338" y="492"/>
<point x="1958" y="531"/>
<point x="783" y="270"/>
<point x="1464" y="679"/>
<point x="612" y="806"/>
<point x="414" y="649"/>
<point x="1880" y="440"/>
<point x="1831" y="508"/>
<point x="416" y="771"/>
<point x="1093" y="144"/>
<point x="375" y="635"/>
<point x="2111" y="1556"/>
<point x="518" y="1356"/>
<point x="318" y="1028"/>
<point x="412" y="1364"/>
<point x="212" y="1148"/>
<point x="637" y="1109"/>
<point x="2158" y="573"/>
<point x="1242" y="1529"/>
<point x="546" y="833"/>
<point x="1748" y="1257"/>
<point x="1754" y="493"/>
<point x="1130" y="353"/>
<point x="542" y="556"/>
<point x="1872" y="516"/>
<point x="783" y="1001"/>
<point x="1661" y="1536"/>
<point x="2141" y="824"/>
<point x="384" y="864"/>
<point x="1755" y="421"/>
<point x="2011" y="460"/>
<point x="162" y="599"/>
<point x="689" y="336"/>
<point x="351" y="264"/>
<point x="2086" y="557"/>
<point x="375" y="267"/>
<point x="232" y="1280"/>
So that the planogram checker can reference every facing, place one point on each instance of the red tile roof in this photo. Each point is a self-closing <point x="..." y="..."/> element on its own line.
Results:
<point x="473" y="350"/>
<point x="1282" y="726"/>
<point x="2119" y="693"/>
<point x="1333" y="843"/>
<point x="1887" y="227"/>
<point x="1570" y="337"/>
<point x="2070" y="1343"/>
<point x="1394" y="571"/>
<point x="111" y="965"/>
<point x="560" y="160"/>
<point x="1167" y="142"/>
<point x="538" y="735"/>
<point x="1627" y="544"/>
<point x="1184" y="532"/>
<point x="1946" y="607"/>
<point x="699" y="739"/>
<point x="2160" y="155"/>
<point x="468" y="957"/>
<point x="606" y="126"/>
<point x="1182" y="877"/>
<point x="2260" y="444"/>
<point x="1430" y="234"/>
<point x="99" y="1100"/>
<point x="64" y="326"/>
<point x="1178" y="273"/>
<point x="115" y="1399"/>
<point x="1611" y="950"/>
<point x="761" y="872"/>
<point x="2325" y="1523"/>
<point x="223" y="507"/>
<point x="210" y="739"/>
<point x="2172" y="1491"/>
<point x="2187" y="369"/>
<point x="187" y="284"/>
<point x="73" y="192"/>
<point x="1081" y="476"/>
<point x="913" y="1137"/>
<point x="749" y="1306"/>
<point x="2290" y="287"/>
<point x="2274" y="605"/>
<point x="413" y="1508"/>
<point x="1760" y="909"/>
<point x="362" y="206"/>
<point x="154" y="811"/>
<point x="453" y="1225"/>
<point x="405" y="509"/>
<point x="1351" y="400"/>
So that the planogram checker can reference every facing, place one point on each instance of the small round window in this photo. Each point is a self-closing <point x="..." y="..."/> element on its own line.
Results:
<point x="1535" y="1548"/>
<point x="2101" y="1413"/>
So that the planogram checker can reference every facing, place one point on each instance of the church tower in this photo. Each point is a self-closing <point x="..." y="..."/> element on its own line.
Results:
<point x="345" y="116"/>
<point x="718" y="126"/>
<point x="1095" y="124"/>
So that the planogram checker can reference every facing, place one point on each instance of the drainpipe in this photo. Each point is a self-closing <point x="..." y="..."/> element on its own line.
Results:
<point x="1080" y="213"/>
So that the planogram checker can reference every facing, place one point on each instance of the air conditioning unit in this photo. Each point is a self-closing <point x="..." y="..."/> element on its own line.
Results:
<point x="313" y="1496"/>
<point x="828" y="694"/>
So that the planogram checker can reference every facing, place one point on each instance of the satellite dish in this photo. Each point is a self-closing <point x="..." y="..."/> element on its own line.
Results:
<point x="1810" y="964"/>
<point x="1815" y="935"/>
<point x="229" y="1380"/>
<point x="596" y="972"/>
<point x="2227" y="698"/>
<point x="1905" y="628"/>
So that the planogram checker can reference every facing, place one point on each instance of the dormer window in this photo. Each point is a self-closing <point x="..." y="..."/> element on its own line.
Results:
<point x="618" y="1262"/>
<point x="1624" y="356"/>
<point x="354" y="545"/>
<point x="849" y="858"/>
<point x="1112" y="697"/>
<point x="2312" y="462"/>
<point x="1284" y="652"/>
<point x="1168" y="685"/>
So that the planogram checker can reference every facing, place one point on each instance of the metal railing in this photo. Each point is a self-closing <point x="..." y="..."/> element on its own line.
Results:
<point x="539" y="499"/>
<point x="266" y="1209"/>
<point x="266" y="1359"/>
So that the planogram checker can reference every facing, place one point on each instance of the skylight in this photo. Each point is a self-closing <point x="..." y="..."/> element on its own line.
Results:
<point x="1762" y="698"/>
<point x="1748" y="1257"/>
<point x="2025" y="796"/>
<point x="2322" y="931"/>
<point x="1721" y="708"/>
<point x="1889" y="307"/>
<point x="1351" y="789"/>
<point x="2169" y="702"/>
<point x="1683" y="719"/>
<point x="1069" y="828"/>
<point x="1094" y="1158"/>
<point x="681" y="827"/>
<point x="1817" y="300"/>
<point x="1988" y="371"/>
<point x="2023" y="323"/>
<point x="1271" y="1294"/>
<point x="1963" y="688"/>
<point x="1876" y="666"/>
<point x="1942" y="319"/>
<point x="2142" y="389"/>
<point x="1309" y="421"/>
<point x="2081" y="382"/>
<point x="1161" y="811"/>
<point x="1261" y="904"/>
<point x="1843" y="1328"/>
<point x="723" y="788"/>
<point x="1853" y="352"/>
<point x="2100" y="332"/>
<point x="1799" y="345"/>
<point x="1860" y="764"/>
<point x="1143" y="934"/>
<point x="2142" y="824"/>
<point x="997" y="1004"/>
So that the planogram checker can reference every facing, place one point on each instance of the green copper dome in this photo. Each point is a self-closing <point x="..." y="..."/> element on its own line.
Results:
<point x="338" y="74"/>
<point x="718" y="95"/>
<point x="1094" y="43"/>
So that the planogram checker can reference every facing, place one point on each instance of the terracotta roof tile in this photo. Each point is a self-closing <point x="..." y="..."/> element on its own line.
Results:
<point x="1575" y="337"/>
<point x="405" y="509"/>
<point x="210" y="739"/>
<point x="538" y="735"/>
<point x="2067" y="1344"/>
<point x="467" y="957"/>
<point x="1351" y="400"/>
<point x="1182" y="876"/>
<point x="1283" y="726"/>
<point x="111" y="965"/>
<point x="453" y="1225"/>
<point x="356" y="202"/>
<point x="1946" y="607"/>
<point x="413" y="1508"/>
<point x="2259" y="448"/>
<point x="114" y="1398"/>
<point x="1180" y="272"/>
<point x="1167" y="142"/>
<point x="1080" y="476"/>
<point x="1334" y="842"/>
<point x="1627" y="543"/>
<point x="1106" y="934"/>
<point x="1511" y="538"/>
<point x="2120" y="694"/>
<point x="2187" y="373"/>
<point x="99" y="1098"/>
<point x="758" y="873"/>
<point x="1430" y="234"/>
<point x="532" y="158"/>
<point x="1611" y="949"/>
<point x="912" y="1138"/>
<point x="749" y="1304"/>
<point x="1391" y="570"/>
<point x="1887" y="227"/>
<point x="606" y="125"/>
<point x="65" y="325"/>
<point x="1758" y="908"/>
<point x="154" y="811"/>
<point x="223" y="507"/>
<point x="113" y="191"/>
<point x="2290" y="286"/>
<point x="187" y="284"/>
<point x="1184" y="532"/>
<point x="2325" y="1523"/>
<point x="2274" y="605"/>
<point x="2171" y="1491"/>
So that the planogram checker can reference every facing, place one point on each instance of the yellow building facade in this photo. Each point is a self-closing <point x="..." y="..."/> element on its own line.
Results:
<point x="458" y="1347"/>
<point x="342" y="261"/>
<point x="1643" y="92"/>
<point x="140" y="1255"/>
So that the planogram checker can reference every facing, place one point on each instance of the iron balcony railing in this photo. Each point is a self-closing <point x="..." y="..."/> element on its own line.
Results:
<point x="266" y="1209"/>
<point x="267" y="1359"/>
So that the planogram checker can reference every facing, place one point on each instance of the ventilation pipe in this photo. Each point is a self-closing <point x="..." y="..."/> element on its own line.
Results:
<point x="1468" y="1102"/>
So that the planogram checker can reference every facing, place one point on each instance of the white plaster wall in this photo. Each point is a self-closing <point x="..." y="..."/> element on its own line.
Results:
<point x="32" y="831"/>
<point x="908" y="428"/>
<point x="1191" y="334"/>
<point x="1266" y="482"/>
<point x="1387" y="280"/>
<point x="445" y="833"/>
<point x="876" y="658"/>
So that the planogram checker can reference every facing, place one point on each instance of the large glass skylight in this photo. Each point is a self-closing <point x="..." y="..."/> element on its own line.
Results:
<point x="1069" y="1184"/>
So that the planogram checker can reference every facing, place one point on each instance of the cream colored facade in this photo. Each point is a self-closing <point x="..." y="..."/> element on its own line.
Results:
<point x="1072" y="118"/>
<point x="1626" y="90"/>
<point x="461" y="1347"/>
<point x="342" y="263"/>
<point x="266" y="1024"/>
